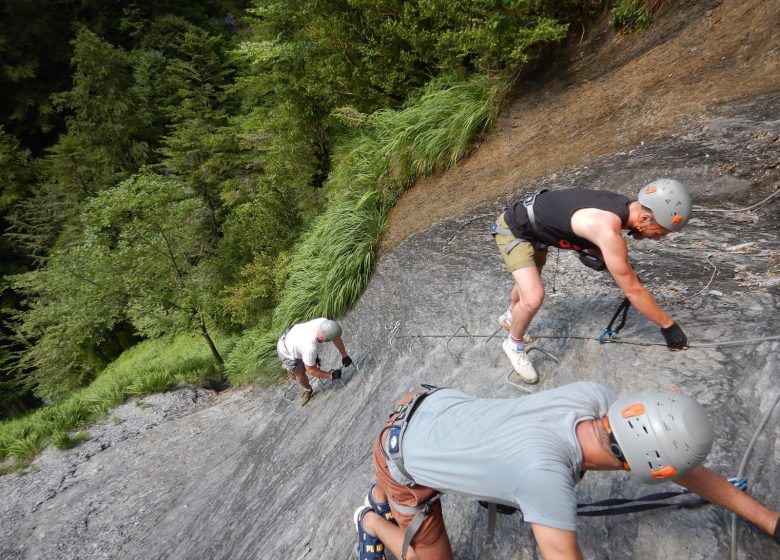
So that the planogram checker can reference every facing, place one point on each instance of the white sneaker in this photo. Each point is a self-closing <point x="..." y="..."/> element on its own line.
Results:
<point x="505" y="319"/>
<point x="520" y="362"/>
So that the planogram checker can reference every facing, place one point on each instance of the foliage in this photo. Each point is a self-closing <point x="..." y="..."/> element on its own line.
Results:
<point x="108" y="124"/>
<point x="16" y="172"/>
<point x="631" y="15"/>
<point x="203" y="173"/>
<point x="142" y="256"/>
<point x="370" y="54"/>
<point x="64" y="440"/>
<point x="332" y="264"/>
<point x="147" y="367"/>
<point x="73" y="304"/>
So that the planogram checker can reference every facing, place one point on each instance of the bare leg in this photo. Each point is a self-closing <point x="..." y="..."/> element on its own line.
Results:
<point x="392" y="536"/>
<point x="302" y="379"/>
<point x="527" y="297"/>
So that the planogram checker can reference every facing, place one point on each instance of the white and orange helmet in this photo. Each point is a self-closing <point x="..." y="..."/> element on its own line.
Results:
<point x="659" y="434"/>
<point x="670" y="202"/>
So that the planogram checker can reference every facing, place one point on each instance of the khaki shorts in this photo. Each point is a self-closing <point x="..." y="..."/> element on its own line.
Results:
<point x="523" y="255"/>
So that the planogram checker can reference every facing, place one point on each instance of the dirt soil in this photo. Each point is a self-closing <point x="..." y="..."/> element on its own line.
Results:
<point x="607" y="92"/>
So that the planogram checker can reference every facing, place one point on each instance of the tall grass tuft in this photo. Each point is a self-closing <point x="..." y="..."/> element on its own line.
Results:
<point x="151" y="366"/>
<point x="332" y="264"/>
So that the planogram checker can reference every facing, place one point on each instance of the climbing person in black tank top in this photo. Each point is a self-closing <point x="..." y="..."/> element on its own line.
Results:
<point x="589" y="222"/>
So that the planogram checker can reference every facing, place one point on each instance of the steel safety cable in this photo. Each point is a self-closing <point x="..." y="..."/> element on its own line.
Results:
<point x="741" y="470"/>
<point x="745" y="209"/>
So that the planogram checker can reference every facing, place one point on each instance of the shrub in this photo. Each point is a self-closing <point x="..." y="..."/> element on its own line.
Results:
<point x="632" y="15"/>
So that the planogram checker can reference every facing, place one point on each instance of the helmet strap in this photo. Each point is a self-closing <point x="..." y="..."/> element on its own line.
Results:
<point x="637" y="227"/>
<point x="613" y="444"/>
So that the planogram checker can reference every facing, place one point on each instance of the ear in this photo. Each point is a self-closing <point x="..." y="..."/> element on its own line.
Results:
<point x="647" y="219"/>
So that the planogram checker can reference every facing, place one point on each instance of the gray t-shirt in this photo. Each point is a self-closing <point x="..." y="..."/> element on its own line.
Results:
<point x="519" y="452"/>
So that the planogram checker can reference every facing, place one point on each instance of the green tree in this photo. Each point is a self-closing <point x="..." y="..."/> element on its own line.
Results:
<point x="107" y="135"/>
<point x="144" y="256"/>
<point x="72" y="305"/>
<point x="154" y="234"/>
<point x="197" y="140"/>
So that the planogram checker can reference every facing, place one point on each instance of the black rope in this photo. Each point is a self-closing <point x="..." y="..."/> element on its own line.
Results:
<point x="636" y="508"/>
<point x="657" y="501"/>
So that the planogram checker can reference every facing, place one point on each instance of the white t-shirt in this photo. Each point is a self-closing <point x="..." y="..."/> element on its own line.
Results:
<point x="300" y="342"/>
<point x="519" y="452"/>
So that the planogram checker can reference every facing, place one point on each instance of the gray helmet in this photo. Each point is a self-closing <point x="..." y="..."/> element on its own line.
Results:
<point x="670" y="202"/>
<point x="329" y="330"/>
<point x="662" y="435"/>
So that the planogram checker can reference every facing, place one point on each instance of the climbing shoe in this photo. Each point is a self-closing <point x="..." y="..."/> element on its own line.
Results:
<point x="306" y="396"/>
<point x="380" y="508"/>
<point x="369" y="547"/>
<point x="520" y="362"/>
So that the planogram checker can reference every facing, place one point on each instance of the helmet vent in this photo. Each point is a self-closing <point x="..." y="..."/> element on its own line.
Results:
<point x="645" y="429"/>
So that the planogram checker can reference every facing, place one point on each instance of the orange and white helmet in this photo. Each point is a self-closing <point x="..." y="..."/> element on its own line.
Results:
<point x="670" y="202"/>
<point x="659" y="434"/>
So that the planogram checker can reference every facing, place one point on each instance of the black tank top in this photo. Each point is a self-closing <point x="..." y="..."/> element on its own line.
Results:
<point x="553" y="211"/>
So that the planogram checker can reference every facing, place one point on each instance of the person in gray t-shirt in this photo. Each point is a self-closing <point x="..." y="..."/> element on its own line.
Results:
<point x="530" y="453"/>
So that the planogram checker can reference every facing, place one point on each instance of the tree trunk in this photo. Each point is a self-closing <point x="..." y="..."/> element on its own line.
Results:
<point x="205" y="334"/>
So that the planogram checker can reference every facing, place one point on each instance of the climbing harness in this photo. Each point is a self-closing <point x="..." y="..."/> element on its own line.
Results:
<point x="493" y="510"/>
<point x="397" y="424"/>
<point x="610" y="331"/>
<point x="528" y="202"/>
<point x="592" y="261"/>
<point x="392" y="450"/>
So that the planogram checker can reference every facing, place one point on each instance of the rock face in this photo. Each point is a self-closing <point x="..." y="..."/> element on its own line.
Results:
<point x="250" y="475"/>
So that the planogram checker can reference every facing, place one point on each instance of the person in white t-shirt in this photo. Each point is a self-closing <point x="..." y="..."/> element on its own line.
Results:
<point x="298" y="350"/>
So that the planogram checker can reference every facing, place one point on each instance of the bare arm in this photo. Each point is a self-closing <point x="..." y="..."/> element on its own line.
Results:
<point x="716" y="489"/>
<point x="340" y="346"/>
<point x="603" y="229"/>
<point x="556" y="544"/>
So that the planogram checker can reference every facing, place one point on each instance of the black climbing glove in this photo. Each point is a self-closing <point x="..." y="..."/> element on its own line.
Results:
<point x="592" y="262"/>
<point x="776" y="534"/>
<point x="335" y="374"/>
<point x="675" y="337"/>
<point x="346" y="361"/>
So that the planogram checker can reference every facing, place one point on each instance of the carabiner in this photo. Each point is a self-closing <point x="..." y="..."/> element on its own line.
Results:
<point x="606" y="335"/>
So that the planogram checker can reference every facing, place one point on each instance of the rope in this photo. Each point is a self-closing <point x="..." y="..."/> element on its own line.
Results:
<point x="464" y="224"/>
<point x="745" y="209"/>
<point x="712" y="277"/>
<point x="742" y="465"/>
